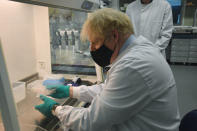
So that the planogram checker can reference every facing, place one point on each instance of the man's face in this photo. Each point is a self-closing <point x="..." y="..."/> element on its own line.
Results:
<point x="101" y="51"/>
<point x="96" y="43"/>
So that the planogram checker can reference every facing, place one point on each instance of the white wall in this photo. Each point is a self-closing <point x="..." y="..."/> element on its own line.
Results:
<point x="17" y="37"/>
<point x="42" y="38"/>
<point x="24" y="33"/>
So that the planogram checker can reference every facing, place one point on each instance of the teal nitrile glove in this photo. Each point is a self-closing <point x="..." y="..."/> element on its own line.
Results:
<point x="60" y="91"/>
<point x="46" y="107"/>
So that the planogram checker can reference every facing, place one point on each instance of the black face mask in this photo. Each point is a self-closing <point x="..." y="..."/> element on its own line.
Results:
<point x="102" y="56"/>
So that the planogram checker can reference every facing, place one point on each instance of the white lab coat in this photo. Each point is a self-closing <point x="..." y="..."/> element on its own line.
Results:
<point x="139" y="94"/>
<point x="153" y="21"/>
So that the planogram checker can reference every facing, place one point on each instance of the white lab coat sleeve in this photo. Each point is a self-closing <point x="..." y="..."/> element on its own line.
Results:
<point x="87" y="93"/>
<point x="166" y="29"/>
<point x="124" y="94"/>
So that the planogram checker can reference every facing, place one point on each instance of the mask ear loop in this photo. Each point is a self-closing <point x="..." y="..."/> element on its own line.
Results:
<point x="115" y="34"/>
<point x="116" y="46"/>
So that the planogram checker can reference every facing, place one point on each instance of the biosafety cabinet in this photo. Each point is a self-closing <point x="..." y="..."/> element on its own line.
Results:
<point x="40" y="39"/>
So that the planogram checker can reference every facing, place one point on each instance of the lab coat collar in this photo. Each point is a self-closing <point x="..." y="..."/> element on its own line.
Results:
<point x="129" y="42"/>
<point x="142" y="41"/>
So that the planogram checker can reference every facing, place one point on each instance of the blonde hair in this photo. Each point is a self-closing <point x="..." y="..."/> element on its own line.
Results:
<point x="102" y="22"/>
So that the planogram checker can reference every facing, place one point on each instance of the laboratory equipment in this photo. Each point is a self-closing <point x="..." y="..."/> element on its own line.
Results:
<point x="19" y="91"/>
<point x="59" y="38"/>
<point x="51" y="82"/>
<point x="8" y="109"/>
<point x="123" y="4"/>
<point x="73" y="56"/>
<point x="85" y="5"/>
<point x="66" y="38"/>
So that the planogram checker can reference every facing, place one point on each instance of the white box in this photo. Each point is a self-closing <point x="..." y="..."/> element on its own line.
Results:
<point x="19" y="91"/>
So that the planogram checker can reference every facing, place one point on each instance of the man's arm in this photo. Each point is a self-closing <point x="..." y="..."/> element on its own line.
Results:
<point x="85" y="93"/>
<point x="121" y="98"/>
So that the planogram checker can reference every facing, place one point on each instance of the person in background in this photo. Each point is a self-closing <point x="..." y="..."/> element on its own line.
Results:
<point x="139" y="93"/>
<point x="153" y="20"/>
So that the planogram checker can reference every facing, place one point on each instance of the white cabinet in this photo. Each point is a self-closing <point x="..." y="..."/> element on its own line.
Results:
<point x="184" y="50"/>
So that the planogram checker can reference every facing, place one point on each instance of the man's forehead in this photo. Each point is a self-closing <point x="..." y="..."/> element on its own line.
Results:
<point x="92" y="38"/>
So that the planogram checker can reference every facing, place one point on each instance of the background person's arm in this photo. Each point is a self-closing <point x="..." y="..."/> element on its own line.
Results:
<point x="166" y="29"/>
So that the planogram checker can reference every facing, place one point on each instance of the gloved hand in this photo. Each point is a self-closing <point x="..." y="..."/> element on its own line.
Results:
<point x="60" y="91"/>
<point x="46" y="107"/>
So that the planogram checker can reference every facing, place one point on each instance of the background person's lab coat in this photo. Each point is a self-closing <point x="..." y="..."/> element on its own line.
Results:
<point x="153" y="21"/>
<point x="139" y="95"/>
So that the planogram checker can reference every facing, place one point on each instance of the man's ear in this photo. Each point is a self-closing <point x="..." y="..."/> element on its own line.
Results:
<point x="115" y="35"/>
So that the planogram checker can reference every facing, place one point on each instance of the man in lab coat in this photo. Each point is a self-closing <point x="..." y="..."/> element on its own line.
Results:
<point x="139" y="93"/>
<point x="153" y="20"/>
